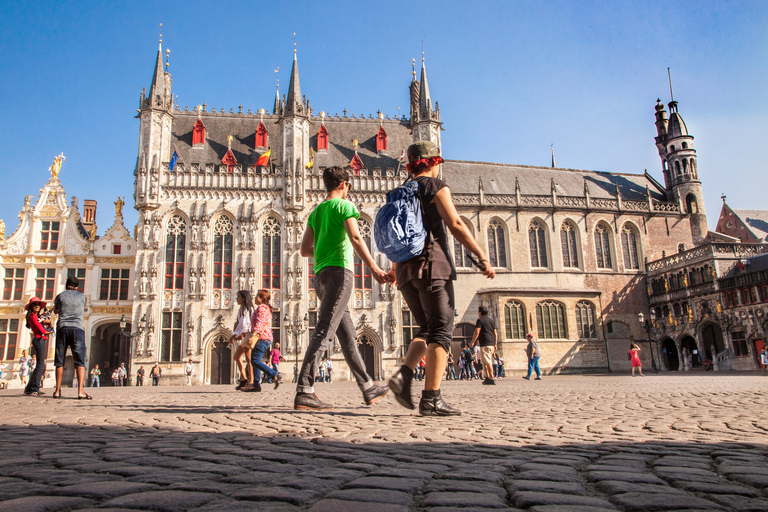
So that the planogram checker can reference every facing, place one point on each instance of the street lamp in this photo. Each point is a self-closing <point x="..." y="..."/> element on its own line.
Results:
<point x="647" y="324"/>
<point x="296" y="330"/>
<point x="132" y="335"/>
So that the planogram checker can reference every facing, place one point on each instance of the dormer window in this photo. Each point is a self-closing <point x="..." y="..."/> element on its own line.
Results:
<point x="322" y="138"/>
<point x="49" y="236"/>
<point x="381" y="140"/>
<point x="261" y="136"/>
<point x="198" y="134"/>
<point x="356" y="164"/>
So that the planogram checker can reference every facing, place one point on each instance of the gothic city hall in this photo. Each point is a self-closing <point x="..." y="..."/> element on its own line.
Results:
<point x="223" y="198"/>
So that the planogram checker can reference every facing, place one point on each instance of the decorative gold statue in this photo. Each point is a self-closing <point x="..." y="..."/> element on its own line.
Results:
<point x="92" y="232"/>
<point x="2" y="230"/>
<point x="119" y="206"/>
<point x="56" y="167"/>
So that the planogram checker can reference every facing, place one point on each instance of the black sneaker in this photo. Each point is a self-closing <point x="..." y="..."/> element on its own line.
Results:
<point x="241" y="384"/>
<point x="489" y="382"/>
<point x="436" y="406"/>
<point x="537" y="378"/>
<point x="310" y="402"/>
<point x="373" y="393"/>
<point x="278" y="379"/>
<point x="527" y="377"/>
<point x="256" y="388"/>
<point x="401" y="387"/>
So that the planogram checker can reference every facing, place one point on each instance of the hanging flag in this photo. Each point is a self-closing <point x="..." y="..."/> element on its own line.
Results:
<point x="263" y="160"/>
<point x="173" y="161"/>
<point x="311" y="159"/>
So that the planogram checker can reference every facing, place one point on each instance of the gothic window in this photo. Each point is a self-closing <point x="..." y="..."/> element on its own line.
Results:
<point x="363" y="277"/>
<point x="537" y="238"/>
<point x="49" y="236"/>
<point x="685" y="145"/>
<point x="739" y="344"/>
<point x="514" y="317"/>
<point x="677" y="168"/>
<point x="261" y="136"/>
<point x="14" y="284"/>
<point x="44" y="283"/>
<point x="676" y="309"/>
<point x="568" y="245"/>
<point x="175" y="253"/>
<point x="603" y="247"/>
<point x="461" y="253"/>
<point x="198" y="133"/>
<point x="114" y="284"/>
<point x="629" y="247"/>
<point x="322" y="138"/>
<point x="691" y="204"/>
<point x="270" y="255"/>
<point x="222" y="253"/>
<point x="311" y="284"/>
<point x="585" y="320"/>
<point x="9" y="332"/>
<point x="276" y="326"/>
<point x="381" y="140"/>
<point x="79" y="273"/>
<point x="410" y="328"/>
<point x="497" y="248"/>
<point x="550" y="319"/>
<point x="170" y="348"/>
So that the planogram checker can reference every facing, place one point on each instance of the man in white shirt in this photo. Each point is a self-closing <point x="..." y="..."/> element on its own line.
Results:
<point x="189" y="369"/>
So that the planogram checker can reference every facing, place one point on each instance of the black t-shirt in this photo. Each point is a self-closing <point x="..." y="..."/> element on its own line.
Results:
<point x="442" y="264"/>
<point x="487" y="338"/>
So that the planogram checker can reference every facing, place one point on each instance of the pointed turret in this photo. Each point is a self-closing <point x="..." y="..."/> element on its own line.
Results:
<point x="157" y="89"/>
<point x="277" y="101"/>
<point x="425" y="100"/>
<point x="293" y="103"/>
<point x="425" y="122"/>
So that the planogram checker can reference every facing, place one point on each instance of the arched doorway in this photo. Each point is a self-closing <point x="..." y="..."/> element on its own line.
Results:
<point x="688" y="348"/>
<point x="367" y="347"/>
<point x="109" y="348"/>
<point x="221" y="361"/>
<point x="712" y="336"/>
<point x="670" y="355"/>
<point x="462" y="335"/>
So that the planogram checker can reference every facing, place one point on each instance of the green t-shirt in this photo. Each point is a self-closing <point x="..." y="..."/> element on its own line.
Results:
<point x="332" y="245"/>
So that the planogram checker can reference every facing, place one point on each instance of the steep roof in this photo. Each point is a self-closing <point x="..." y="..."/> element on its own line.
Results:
<point x="757" y="220"/>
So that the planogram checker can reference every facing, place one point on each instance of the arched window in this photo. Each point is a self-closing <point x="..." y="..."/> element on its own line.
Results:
<point x="222" y="261"/>
<point x="461" y="253"/>
<point x="677" y="168"/>
<point x="363" y="277"/>
<point x="381" y="140"/>
<point x="198" y="133"/>
<point x="585" y="320"/>
<point x="672" y="148"/>
<point x="568" y="245"/>
<point x="691" y="204"/>
<point x="261" y="136"/>
<point x="497" y="246"/>
<point x="514" y="316"/>
<point x="685" y="145"/>
<point x="270" y="255"/>
<point x="685" y="166"/>
<point x="175" y="252"/>
<point x="629" y="248"/>
<point x="322" y="138"/>
<point x="603" y="247"/>
<point x="676" y="309"/>
<point x="537" y="237"/>
<point x="550" y="319"/>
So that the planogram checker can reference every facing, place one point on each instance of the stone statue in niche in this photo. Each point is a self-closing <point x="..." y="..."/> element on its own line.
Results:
<point x="150" y="342"/>
<point x="153" y="282"/>
<point x="156" y="234"/>
<point x="145" y="229"/>
<point x="289" y="283"/>
<point x="153" y="185"/>
<point x="252" y="281"/>
<point x="204" y="233"/>
<point x="142" y="183"/>
<point x="241" y="280"/>
<point x="192" y="282"/>
<point x="143" y="283"/>
<point x="190" y="337"/>
<point x="299" y="282"/>
<point x="288" y="186"/>
<point x="202" y="282"/>
<point x="195" y="234"/>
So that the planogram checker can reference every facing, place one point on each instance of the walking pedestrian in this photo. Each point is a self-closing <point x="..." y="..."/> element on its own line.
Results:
<point x="468" y="356"/>
<point x="485" y="339"/>
<point x="332" y="237"/>
<point x="328" y="369"/>
<point x="261" y="323"/>
<point x="242" y="333"/>
<point x="70" y="306"/>
<point x="116" y="378"/>
<point x="156" y="374"/>
<point x="634" y="356"/>
<point x="95" y="379"/>
<point x="451" y="372"/>
<point x="189" y="369"/>
<point x="422" y="369"/>
<point x="39" y="343"/>
<point x="23" y="368"/>
<point x="122" y="375"/>
<point x="476" y="358"/>
<point x="426" y="283"/>
<point x="321" y="367"/>
<point x="275" y="356"/>
<point x="764" y="357"/>
<point x="532" y="351"/>
<point x="140" y="376"/>
<point x="495" y="365"/>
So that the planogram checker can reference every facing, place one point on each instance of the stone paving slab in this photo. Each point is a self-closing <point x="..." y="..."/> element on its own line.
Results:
<point x="571" y="443"/>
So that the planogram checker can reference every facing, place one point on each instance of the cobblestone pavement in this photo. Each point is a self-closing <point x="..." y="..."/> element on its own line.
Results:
<point x="575" y="443"/>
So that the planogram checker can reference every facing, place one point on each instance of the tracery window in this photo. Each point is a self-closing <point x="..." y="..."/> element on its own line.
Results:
<point x="585" y="320"/>
<point x="270" y="255"/>
<point x="223" y="231"/>
<point x="170" y="348"/>
<point x="363" y="277"/>
<point x="497" y="248"/>
<point x="550" y="319"/>
<point x="537" y="238"/>
<point x="49" y="236"/>
<point x="175" y="253"/>
<point x="461" y="253"/>
<point x="629" y="247"/>
<point x="514" y="317"/>
<point x="603" y="247"/>
<point x="568" y="245"/>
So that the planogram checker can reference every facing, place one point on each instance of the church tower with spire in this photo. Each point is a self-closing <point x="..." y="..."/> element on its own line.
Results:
<point x="294" y="136"/>
<point x="155" y="115"/>
<point x="425" y="120"/>
<point x="678" y="161"/>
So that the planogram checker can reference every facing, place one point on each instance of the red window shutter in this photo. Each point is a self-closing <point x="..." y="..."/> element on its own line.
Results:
<point x="198" y="133"/>
<point x="261" y="136"/>
<point x="322" y="138"/>
<point x="381" y="140"/>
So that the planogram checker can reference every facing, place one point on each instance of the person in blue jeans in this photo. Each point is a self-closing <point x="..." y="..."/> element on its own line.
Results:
<point x="70" y="306"/>
<point x="532" y="351"/>
<point x="261" y="326"/>
<point x="39" y="344"/>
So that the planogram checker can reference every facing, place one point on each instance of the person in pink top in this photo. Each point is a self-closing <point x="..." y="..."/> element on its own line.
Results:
<point x="261" y="326"/>
<point x="275" y="356"/>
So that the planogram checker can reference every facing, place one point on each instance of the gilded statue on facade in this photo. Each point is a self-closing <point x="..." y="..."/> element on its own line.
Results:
<point x="2" y="230"/>
<point x="119" y="206"/>
<point x="56" y="167"/>
<point x="92" y="232"/>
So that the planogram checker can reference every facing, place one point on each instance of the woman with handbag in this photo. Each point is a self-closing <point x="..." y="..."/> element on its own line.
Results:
<point x="262" y="329"/>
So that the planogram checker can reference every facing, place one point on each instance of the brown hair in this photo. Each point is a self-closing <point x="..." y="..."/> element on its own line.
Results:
<point x="333" y="177"/>
<point x="263" y="297"/>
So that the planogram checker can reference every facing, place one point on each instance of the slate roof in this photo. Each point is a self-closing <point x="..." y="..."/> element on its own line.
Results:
<point x="757" y="220"/>
<point x="463" y="178"/>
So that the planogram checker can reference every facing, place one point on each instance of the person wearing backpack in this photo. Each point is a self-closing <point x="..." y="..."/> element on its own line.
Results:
<point x="332" y="238"/>
<point x="426" y="282"/>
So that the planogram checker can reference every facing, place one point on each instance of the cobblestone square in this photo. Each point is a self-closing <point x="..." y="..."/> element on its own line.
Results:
<point x="603" y="442"/>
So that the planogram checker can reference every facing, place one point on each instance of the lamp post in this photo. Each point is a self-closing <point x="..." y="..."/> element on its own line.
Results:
<point x="296" y="330"/>
<point x="132" y="336"/>
<point x="647" y="324"/>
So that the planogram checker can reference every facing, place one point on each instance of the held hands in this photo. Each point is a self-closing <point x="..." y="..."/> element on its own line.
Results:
<point x="379" y="275"/>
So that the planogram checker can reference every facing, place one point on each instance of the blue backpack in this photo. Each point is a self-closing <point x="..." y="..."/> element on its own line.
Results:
<point x="399" y="228"/>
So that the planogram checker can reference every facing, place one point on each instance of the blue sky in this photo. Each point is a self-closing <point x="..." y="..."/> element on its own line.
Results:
<point x="511" y="78"/>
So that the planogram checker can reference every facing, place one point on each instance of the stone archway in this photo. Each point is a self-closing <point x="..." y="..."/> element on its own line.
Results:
<point x="109" y="348"/>
<point x="671" y="358"/>
<point x="712" y="337"/>
<point x="218" y="364"/>
<point x="689" y="352"/>
<point x="369" y="345"/>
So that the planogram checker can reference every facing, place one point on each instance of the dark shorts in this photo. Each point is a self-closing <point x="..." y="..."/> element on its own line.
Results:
<point x="73" y="338"/>
<point x="432" y="306"/>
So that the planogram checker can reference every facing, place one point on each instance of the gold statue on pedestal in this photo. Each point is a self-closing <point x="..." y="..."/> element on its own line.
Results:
<point x="2" y="229"/>
<point x="92" y="232"/>
<point x="56" y="166"/>
<point x="119" y="206"/>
